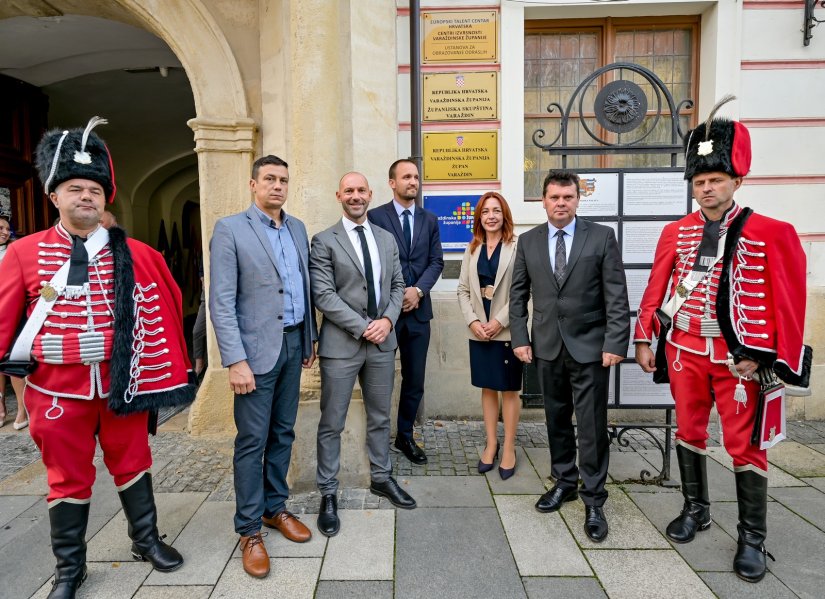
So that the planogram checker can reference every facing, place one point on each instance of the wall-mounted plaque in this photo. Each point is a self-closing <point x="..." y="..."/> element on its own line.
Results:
<point x="598" y="194"/>
<point x="461" y="156"/>
<point x="465" y="36"/>
<point x="454" y="212"/>
<point x="639" y="240"/>
<point x="636" y="284"/>
<point x="638" y="389"/>
<point x="469" y="96"/>
<point x="655" y="193"/>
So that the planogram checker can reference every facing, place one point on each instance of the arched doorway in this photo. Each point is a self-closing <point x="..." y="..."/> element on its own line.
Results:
<point x="186" y="44"/>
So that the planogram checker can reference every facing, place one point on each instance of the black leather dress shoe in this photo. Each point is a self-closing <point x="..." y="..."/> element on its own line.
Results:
<point x="328" y="522"/>
<point x="410" y="450"/>
<point x="397" y="496"/>
<point x="595" y="524"/>
<point x="552" y="500"/>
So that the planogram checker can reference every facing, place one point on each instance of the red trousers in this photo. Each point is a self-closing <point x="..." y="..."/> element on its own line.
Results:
<point x="694" y="387"/>
<point x="65" y="435"/>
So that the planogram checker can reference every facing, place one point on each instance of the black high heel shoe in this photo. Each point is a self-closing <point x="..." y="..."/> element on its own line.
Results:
<point x="506" y="473"/>
<point x="482" y="467"/>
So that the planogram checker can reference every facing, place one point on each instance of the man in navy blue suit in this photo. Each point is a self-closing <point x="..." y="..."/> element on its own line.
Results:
<point x="419" y="246"/>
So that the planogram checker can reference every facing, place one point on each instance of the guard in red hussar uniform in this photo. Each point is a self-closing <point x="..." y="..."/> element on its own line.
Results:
<point x="106" y="347"/>
<point x="736" y="280"/>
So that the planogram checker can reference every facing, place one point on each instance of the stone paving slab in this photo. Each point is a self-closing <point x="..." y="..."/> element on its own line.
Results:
<point x="26" y="571"/>
<point x="279" y="546"/>
<point x="289" y="578"/>
<point x="730" y="586"/>
<point x="454" y="553"/>
<point x="177" y="592"/>
<point x="437" y="491"/>
<point x="628" y="527"/>
<point x="566" y="587"/>
<point x="30" y="480"/>
<point x="797" y="459"/>
<point x="112" y="581"/>
<point x="206" y="543"/>
<point x="628" y="466"/>
<point x="776" y="476"/>
<point x="540" y="458"/>
<point x="806" y="502"/>
<point x="711" y="550"/>
<point x="796" y="545"/>
<point x="525" y="480"/>
<point x="541" y="543"/>
<point x="354" y="589"/>
<point x="112" y="543"/>
<point x="14" y="505"/>
<point x="363" y="549"/>
<point x="652" y="574"/>
<point x="816" y="482"/>
<point x="820" y="447"/>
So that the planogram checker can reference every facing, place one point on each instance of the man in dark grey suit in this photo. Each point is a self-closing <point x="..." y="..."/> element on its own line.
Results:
<point x="358" y="286"/>
<point x="264" y="321"/>
<point x="581" y="327"/>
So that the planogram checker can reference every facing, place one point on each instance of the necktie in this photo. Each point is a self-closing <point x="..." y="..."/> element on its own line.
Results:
<point x="407" y="229"/>
<point x="78" y="263"/>
<point x="372" y="307"/>
<point x="561" y="256"/>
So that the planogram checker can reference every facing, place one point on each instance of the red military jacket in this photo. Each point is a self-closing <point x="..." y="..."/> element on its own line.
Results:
<point x="751" y="305"/>
<point x="122" y="338"/>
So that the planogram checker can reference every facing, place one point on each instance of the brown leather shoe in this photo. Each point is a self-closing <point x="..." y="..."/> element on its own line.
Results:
<point x="255" y="557"/>
<point x="290" y="526"/>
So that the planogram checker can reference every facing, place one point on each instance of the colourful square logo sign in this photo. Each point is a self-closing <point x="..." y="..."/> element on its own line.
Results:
<point x="455" y="218"/>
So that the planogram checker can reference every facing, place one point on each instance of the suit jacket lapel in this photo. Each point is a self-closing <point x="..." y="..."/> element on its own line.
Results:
<point x="475" y="284"/>
<point x="504" y="260"/>
<point x="258" y="227"/>
<point x="344" y="240"/>
<point x="579" y="239"/>
<point x="418" y="226"/>
<point x="392" y="215"/>
<point x="544" y="253"/>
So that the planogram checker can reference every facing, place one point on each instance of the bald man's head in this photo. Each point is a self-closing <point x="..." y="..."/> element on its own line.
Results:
<point x="355" y="195"/>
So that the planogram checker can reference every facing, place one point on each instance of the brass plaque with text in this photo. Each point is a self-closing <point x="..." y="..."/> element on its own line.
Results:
<point x="465" y="36"/>
<point x="461" y="156"/>
<point x="469" y="96"/>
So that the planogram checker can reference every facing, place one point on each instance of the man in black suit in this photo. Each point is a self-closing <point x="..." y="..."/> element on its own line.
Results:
<point x="581" y="327"/>
<point x="419" y="247"/>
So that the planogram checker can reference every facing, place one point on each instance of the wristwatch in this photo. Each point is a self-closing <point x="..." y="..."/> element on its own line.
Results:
<point x="420" y="293"/>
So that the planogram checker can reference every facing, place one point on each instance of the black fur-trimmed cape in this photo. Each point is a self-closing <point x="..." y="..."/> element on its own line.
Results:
<point x="122" y="341"/>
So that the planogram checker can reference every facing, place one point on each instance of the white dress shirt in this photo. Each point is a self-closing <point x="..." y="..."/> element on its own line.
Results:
<point x="568" y="241"/>
<point x="349" y="226"/>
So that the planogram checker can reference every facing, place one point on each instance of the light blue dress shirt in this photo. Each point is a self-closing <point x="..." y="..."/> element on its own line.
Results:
<point x="569" y="230"/>
<point x="398" y="210"/>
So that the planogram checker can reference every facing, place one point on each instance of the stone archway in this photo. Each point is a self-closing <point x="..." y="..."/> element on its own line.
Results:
<point x="224" y="142"/>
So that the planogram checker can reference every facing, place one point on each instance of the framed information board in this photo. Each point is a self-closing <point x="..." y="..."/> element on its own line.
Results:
<point x="637" y="204"/>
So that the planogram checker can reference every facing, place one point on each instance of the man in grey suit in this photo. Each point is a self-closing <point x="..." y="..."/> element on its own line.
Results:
<point x="264" y="321"/>
<point x="581" y="327"/>
<point x="358" y="287"/>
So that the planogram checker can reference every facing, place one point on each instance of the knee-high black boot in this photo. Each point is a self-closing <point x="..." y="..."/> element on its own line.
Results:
<point x="68" y="531"/>
<point x="695" y="514"/>
<point x="139" y="506"/>
<point x="750" y="562"/>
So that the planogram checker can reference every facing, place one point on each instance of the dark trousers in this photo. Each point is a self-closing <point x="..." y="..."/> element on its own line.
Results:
<point x="265" y="420"/>
<point x="413" y="342"/>
<point x="569" y="386"/>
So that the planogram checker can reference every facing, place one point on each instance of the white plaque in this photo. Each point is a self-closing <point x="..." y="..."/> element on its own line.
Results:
<point x="637" y="388"/>
<point x="639" y="241"/>
<point x="598" y="194"/>
<point x="611" y="387"/>
<point x="636" y="284"/>
<point x="631" y="347"/>
<point x="655" y="194"/>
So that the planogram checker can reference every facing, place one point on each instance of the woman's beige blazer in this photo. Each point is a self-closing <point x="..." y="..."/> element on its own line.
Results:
<point x="469" y="289"/>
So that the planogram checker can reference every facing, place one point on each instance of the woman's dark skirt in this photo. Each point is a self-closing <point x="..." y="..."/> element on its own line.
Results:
<point x="494" y="366"/>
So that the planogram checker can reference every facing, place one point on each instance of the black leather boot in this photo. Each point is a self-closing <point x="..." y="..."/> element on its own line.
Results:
<point x="695" y="514"/>
<point x="750" y="561"/>
<point x="68" y="531"/>
<point x="147" y="545"/>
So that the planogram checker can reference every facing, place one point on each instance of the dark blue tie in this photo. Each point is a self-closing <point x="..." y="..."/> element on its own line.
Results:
<point x="407" y="229"/>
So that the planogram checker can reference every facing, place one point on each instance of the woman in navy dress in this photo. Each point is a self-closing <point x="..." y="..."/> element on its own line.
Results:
<point x="484" y="298"/>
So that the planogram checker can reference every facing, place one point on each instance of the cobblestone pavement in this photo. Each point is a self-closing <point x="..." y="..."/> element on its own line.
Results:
<point x="204" y="464"/>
